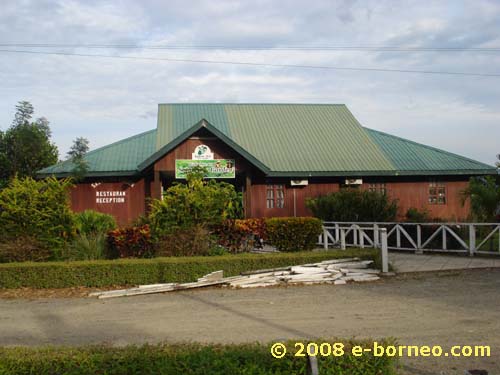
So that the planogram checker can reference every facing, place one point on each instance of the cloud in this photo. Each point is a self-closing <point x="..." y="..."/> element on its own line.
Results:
<point x="108" y="99"/>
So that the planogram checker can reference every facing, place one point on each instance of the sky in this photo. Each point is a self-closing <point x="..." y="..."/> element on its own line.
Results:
<point x="108" y="99"/>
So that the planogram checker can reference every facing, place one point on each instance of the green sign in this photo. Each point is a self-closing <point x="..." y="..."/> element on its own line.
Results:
<point x="218" y="168"/>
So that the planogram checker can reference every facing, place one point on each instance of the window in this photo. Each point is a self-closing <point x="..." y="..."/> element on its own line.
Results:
<point x="378" y="188"/>
<point x="275" y="196"/>
<point x="437" y="192"/>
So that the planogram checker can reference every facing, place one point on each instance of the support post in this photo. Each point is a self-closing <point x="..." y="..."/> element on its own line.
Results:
<point x="248" y="196"/>
<point x="325" y="238"/>
<point x="384" y="251"/>
<point x="445" y="247"/>
<point x="472" y="240"/>
<point x="156" y="186"/>
<point x="342" y="239"/>
<point x="419" y="240"/>
<point x="376" y="236"/>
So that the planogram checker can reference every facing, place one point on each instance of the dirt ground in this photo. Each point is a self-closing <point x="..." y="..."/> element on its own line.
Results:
<point x="451" y="308"/>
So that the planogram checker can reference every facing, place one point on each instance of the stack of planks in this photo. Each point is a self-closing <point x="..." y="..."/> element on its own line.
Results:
<point x="338" y="272"/>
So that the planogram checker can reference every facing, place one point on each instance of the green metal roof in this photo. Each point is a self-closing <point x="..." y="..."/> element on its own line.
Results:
<point x="281" y="140"/>
<point x="119" y="158"/>
<point x="284" y="137"/>
<point x="412" y="158"/>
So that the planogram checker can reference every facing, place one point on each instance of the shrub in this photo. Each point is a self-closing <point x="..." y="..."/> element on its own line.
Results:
<point x="91" y="246"/>
<point x="240" y="235"/>
<point x="194" y="203"/>
<point x="93" y="222"/>
<point x="194" y="359"/>
<point x="414" y="215"/>
<point x="157" y="270"/>
<point x="353" y="205"/>
<point x="40" y="208"/>
<point x="133" y="242"/>
<point x="484" y="195"/>
<point x="23" y="249"/>
<point x="187" y="242"/>
<point x="293" y="233"/>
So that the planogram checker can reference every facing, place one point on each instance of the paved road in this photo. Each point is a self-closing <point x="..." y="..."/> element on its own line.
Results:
<point x="458" y="308"/>
<point x="411" y="262"/>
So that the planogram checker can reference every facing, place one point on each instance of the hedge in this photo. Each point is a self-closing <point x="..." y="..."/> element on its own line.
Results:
<point x="103" y="273"/>
<point x="192" y="359"/>
<point x="294" y="233"/>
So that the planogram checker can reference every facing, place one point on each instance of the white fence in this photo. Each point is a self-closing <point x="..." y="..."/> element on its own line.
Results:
<point x="471" y="238"/>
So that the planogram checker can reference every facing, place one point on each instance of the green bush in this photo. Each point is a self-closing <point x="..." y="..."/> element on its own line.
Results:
<point x="93" y="222"/>
<point x="187" y="242"/>
<point x="197" y="202"/>
<point x="414" y="215"/>
<point x="354" y="205"/>
<point x="193" y="359"/>
<point x="91" y="246"/>
<point x="293" y="233"/>
<point x="157" y="270"/>
<point x="38" y="208"/>
<point x="23" y="249"/>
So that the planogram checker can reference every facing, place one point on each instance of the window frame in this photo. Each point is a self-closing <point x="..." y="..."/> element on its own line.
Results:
<point x="437" y="193"/>
<point x="275" y="196"/>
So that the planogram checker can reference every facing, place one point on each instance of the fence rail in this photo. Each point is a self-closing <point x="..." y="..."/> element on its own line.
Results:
<point x="470" y="238"/>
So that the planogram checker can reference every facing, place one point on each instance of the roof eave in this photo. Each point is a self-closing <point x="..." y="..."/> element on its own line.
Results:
<point x="92" y="174"/>
<point x="381" y="173"/>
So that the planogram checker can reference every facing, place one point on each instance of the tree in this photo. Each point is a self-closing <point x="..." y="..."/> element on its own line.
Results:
<point x="484" y="195"/>
<point x="24" y="112"/>
<point x="25" y="147"/>
<point x="77" y="154"/>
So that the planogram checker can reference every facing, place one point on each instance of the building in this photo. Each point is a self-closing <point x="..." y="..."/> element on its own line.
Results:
<point x="277" y="155"/>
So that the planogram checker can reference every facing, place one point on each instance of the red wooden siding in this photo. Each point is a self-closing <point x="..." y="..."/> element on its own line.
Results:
<point x="83" y="197"/>
<point x="416" y="195"/>
<point x="259" y="208"/>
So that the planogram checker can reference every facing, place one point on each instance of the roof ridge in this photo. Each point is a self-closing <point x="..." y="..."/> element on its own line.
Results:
<point x="226" y="103"/>
<point x="430" y="147"/>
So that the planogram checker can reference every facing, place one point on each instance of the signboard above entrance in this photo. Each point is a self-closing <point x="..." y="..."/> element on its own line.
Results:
<point x="219" y="168"/>
<point x="202" y="152"/>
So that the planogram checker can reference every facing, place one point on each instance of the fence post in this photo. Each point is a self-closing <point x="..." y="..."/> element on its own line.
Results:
<point x="376" y="239"/>
<point x="337" y="233"/>
<point x="472" y="240"/>
<point x="325" y="238"/>
<point x="361" y="238"/>
<point x="342" y="239"/>
<point x="419" y="239"/>
<point x="383" y="250"/>
<point x="445" y="244"/>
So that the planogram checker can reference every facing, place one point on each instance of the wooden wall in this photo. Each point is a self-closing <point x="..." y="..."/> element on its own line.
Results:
<point x="410" y="191"/>
<point x="84" y="196"/>
<point x="409" y="194"/>
<point x="416" y="195"/>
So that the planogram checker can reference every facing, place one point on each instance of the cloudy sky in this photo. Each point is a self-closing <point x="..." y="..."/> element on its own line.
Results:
<point x="107" y="99"/>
